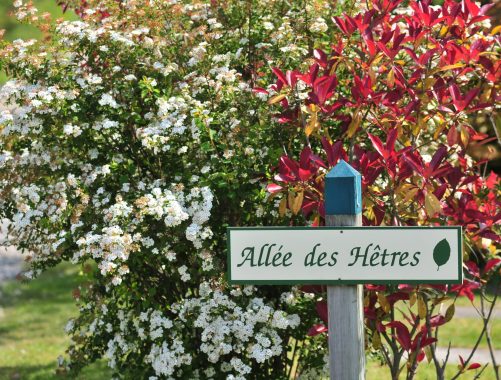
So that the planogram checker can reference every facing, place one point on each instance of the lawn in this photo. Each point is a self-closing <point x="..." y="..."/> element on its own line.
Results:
<point x="34" y="314"/>
<point x="425" y="372"/>
<point x="32" y="324"/>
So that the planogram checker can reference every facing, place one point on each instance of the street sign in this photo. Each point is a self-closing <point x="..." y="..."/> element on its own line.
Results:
<point x="345" y="255"/>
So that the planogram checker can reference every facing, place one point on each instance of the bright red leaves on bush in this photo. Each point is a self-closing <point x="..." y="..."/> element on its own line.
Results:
<point x="393" y="97"/>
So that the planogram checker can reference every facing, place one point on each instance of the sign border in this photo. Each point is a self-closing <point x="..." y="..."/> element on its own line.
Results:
<point x="231" y="281"/>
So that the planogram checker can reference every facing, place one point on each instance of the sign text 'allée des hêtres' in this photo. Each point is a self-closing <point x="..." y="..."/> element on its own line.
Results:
<point x="344" y="255"/>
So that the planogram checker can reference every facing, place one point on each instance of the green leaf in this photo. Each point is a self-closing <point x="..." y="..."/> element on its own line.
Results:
<point x="442" y="252"/>
<point x="450" y="312"/>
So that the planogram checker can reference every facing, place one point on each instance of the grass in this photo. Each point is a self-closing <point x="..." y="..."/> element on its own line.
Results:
<point x="465" y="302"/>
<point x="32" y="326"/>
<point x="34" y="314"/>
<point x="463" y="332"/>
<point x="425" y="372"/>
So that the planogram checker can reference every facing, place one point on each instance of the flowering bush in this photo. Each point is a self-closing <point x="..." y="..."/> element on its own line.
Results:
<point x="132" y="140"/>
<point x="136" y="135"/>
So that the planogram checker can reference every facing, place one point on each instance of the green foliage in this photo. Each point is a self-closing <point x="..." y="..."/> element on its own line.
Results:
<point x="15" y="29"/>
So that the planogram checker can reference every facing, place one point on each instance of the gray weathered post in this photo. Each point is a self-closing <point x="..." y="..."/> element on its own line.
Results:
<point x="343" y="207"/>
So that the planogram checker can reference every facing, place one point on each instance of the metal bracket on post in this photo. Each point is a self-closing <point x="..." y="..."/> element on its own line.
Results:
<point x="343" y="207"/>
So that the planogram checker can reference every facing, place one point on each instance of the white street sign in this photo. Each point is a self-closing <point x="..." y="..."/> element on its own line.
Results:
<point x="345" y="255"/>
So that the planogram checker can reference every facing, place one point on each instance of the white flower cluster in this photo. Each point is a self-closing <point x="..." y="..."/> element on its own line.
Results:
<point x="163" y="204"/>
<point x="112" y="245"/>
<point x="200" y="205"/>
<point x="111" y="248"/>
<point x="170" y="120"/>
<point x="319" y="26"/>
<point x="167" y="352"/>
<point x="227" y="328"/>
<point x="165" y="358"/>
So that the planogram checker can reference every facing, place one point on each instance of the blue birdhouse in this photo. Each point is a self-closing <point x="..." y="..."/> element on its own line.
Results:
<point x="343" y="190"/>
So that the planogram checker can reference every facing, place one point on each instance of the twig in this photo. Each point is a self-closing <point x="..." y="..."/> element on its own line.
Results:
<point x="477" y="376"/>
<point x="488" y="337"/>
<point x="486" y="321"/>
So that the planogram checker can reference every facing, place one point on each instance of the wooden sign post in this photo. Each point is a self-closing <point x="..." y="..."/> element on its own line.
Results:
<point x="343" y="207"/>
<point x="344" y="255"/>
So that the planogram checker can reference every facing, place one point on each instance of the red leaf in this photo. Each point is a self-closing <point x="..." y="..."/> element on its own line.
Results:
<point x="313" y="288"/>
<point x="324" y="87"/>
<point x="317" y="329"/>
<point x="427" y="341"/>
<point x="472" y="268"/>
<point x="378" y="288"/>
<point x="391" y="139"/>
<point x="310" y="77"/>
<point x="403" y="335"/>
<point x="333" y="151"/>
<point x="322" y="311"/>
<point x="491" y="264"/>
<point x="466" y="289"/>
<point x="471" y="7"/>
<point x="317" y="160"/>
<point x="304" y="158"/>
<point x="469" y="97"/>
<point x="378" y="145"/>
<point x="492" y="180"/>
<point x="340" y="23"/>
<point x="321" y="57"/>
<point x="260" y="90"/>
<point x="369" y="40"/>
<point x="273" y="188"/>
<point x="437" y="320"/>
<point x="280" y="75"/>
<point x="291" y="77"/>
<point x="308" y="207"/>
<point x="415" y="161"/>
<point x="305" y="174"/>
<point x="288" y="167"/>
<point x="456" y="97"/>
<point x="440" y="191"/>
<point x="421" y="356"/>
<point x="452" y="136"/>
<point x="439" y="155"/>
<point x="398" y="296"/>
<point x="474" y="366"/>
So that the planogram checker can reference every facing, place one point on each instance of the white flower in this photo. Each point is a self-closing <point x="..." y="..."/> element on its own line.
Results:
<point x="170" y="255"/>
<point x="70" y="325"/>
<point x="319" y="26"/>
<point x="268" y="25"/>
<point x="183" y="272"/>
<point x="249" y="150"/>
<point x="108" y="100"/>
<point x="182" y="150"/>
<point x="68" y="129"/>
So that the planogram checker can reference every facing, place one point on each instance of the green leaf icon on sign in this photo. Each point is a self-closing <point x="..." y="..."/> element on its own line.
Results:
<point x="441" y="253"/>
